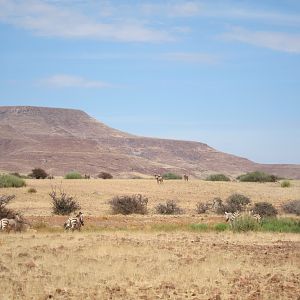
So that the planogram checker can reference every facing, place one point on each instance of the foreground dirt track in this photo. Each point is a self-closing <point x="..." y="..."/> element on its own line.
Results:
<point x="152" y="265"/>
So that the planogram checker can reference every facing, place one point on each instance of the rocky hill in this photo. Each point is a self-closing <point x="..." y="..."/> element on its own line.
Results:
<point x="61" y="140"/>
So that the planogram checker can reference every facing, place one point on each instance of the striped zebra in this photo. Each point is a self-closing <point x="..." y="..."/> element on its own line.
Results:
<point x="10" y="224"/>
<point x="231" y="217"/>
<point x="74" y="223"/>
<point x="159" y="178"/>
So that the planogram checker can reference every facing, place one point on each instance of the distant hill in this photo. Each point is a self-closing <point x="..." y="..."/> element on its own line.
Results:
<point x="61" y="140"/>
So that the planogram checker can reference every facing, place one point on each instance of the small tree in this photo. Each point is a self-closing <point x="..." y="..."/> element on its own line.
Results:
<point x="38" y="173"/>
<point x="125" y="205"/>
<point x="62" y="203"/>
<point x="217" y="177"/>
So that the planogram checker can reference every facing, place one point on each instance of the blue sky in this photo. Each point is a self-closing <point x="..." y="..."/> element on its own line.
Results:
<point x="226" y="73"/>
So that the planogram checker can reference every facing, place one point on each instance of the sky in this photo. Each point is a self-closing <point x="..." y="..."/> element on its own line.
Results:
<point x="222" y="72"/>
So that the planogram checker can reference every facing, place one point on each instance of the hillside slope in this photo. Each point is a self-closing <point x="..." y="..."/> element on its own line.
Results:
<point x="60" y="140"/>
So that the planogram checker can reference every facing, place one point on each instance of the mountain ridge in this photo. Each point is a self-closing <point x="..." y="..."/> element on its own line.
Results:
<point x="62" y="139"/>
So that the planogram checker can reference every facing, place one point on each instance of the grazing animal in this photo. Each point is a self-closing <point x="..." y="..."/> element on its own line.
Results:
<point x="87" y="176"/>
<point x="10" y="224"/>
<point x="50" y="177"/>
<point x="185" y="177"/>
<point x="231" y="217"/>
<point x="74" y="223"/>
<point x="159" y="178"/>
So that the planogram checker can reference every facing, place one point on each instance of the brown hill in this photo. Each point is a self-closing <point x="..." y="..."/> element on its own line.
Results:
<point x="61" y="140"/>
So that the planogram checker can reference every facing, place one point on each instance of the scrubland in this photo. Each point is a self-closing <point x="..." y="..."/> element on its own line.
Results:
<point x="146" y="256"/>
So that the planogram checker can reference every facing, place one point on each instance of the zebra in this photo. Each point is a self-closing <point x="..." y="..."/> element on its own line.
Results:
<point x="186" y="177"/>
<point x="9" y="224"/>
<point x="159" y="178"/>
<point x="74" y="222"/>
<point x="231" y="217"/>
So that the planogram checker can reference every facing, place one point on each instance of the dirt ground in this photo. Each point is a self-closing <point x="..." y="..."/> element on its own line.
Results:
<point x="150" y="265"/>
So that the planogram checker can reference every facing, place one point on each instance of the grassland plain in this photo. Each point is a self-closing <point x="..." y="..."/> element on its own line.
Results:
<point x="150" y="265"/>
<point x="146" y="257"/>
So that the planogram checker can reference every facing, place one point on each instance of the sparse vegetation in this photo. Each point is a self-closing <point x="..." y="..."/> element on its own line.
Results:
<point x="257" y="177"/>
<point x="73" y="175"/>
<point x="7" y="181"/>
<point x="245" y="223"/>
<point x="38" y="173"/>
<point x="170" y="176"/>
<point x="285" y="184"/>
<point x="31" y="190"/>
<point x="292" y="207"/>
<point x="236" y="202"/>
<point x="202" y="208"/>
<point x="62" y="203"/>
<point x="217" y="177"/>
<point x="280" y="225"/>
<point x="265" y="209"/>
<point x="105" y="175"/>
<point x="125" y="205"/>
<point x="170" y="208"/>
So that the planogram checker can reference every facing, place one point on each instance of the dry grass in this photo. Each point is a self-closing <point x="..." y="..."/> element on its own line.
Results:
<point x="137" y="265"/>
<point x="93" y="195"/>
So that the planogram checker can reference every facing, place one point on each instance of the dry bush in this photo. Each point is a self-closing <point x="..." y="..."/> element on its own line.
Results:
<point x="38" y="173"/>
<point x="170" y="208"/>
<point x="125" y="205"/>
<point x="202" y="208"/>
<point x="292" y="207"/>
<point x="62" y="203"/>
<point x="31" y="190"/>
<point x="265" y="209"/>
<point x="236" y="202"/>
<point x="105" y="175"/>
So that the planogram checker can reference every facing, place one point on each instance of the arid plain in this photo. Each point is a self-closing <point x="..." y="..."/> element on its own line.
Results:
<point x="140" y="257"/>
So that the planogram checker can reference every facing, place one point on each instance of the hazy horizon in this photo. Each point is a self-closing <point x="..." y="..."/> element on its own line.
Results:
<point x="226" y="74"/>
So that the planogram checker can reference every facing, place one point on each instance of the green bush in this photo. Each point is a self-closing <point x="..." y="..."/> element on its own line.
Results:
<point x="221" y="227"/>
<point x="125" y="205"/>
<point x="38" y="173"/>
<point x="7" y="181"/>
<point x="31" y="190"/>
<point x="245" y="223"/>
<point x="264" y="209"/>
<point x="168" y="176"/>
<point x="281" y="225"/>
<point x="236" y="202"/>
<point x="285" y="184"/>
<point x="73" y="175"/>
<point x="170" y="208"/>
<point x="199" y="227"/>
<point x="217" y="177"/>
<point x="292" y="207"/>
<point x="257" y="177"/>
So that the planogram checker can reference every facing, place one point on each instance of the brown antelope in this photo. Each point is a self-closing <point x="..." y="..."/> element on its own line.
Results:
<point x="185" y="177"/>
<point x="159" y="178"/>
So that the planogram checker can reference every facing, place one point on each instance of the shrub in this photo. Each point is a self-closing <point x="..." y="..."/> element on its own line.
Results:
<point x="73" y="175"/>
<point x="217" y="177"/>
<point x="125" y="205"/>
<point x="245" y="223"/>
<point x="38" y="173"/>
<point x="170" y="208"/>
<point x="285" y="184"/>
<point x="63" y="204"/>
<point x="31" y="190"/>
<point x="236" y="202"/>
<point x="105" y="175"/>
<point x="202" y="208"/>
<point x="221" y="227"/>
<point x="168" y="176"/>
<point x="292" y="207"/>
<point x="264" y="209"/>
<point x="199" y="227"/>
<point x="257" y="177"/>
<point x="7" y="181"/>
